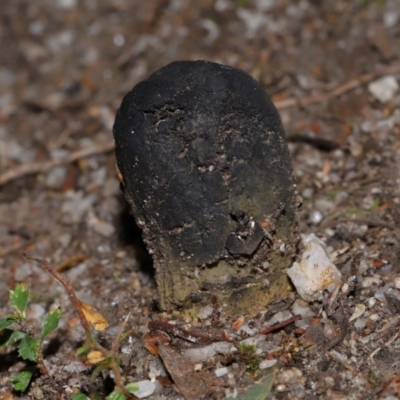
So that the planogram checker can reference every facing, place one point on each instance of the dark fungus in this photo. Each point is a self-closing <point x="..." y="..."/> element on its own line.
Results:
<point x="204" y="167"/>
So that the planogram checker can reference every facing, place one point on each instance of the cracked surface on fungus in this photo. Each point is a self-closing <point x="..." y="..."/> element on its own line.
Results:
<point x="207" y="173"/>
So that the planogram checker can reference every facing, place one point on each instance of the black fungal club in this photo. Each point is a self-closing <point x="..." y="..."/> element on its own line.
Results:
<point x="205" y="167"/>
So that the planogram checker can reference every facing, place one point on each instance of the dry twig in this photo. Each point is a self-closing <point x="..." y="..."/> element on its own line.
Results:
<point x="68" y="288"/>
<point x="192" y="336"/>
<point x="37" y="167"/>
<point x="338" y="91"/>
<point x="282" y="324"/>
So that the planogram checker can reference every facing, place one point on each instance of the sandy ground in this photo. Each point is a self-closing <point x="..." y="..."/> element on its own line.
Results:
<point x="331" y="68"/>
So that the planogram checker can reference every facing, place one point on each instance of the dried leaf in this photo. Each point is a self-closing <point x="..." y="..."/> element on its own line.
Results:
<point x="95" y="357"/>
<point x="358" y="311"/>
<point x="193" y="385"/>
<point x="95" y="319"/>
<point x="150" y="342"/>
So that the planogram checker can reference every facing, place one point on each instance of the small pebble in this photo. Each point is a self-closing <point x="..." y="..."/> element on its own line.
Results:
<point x="371" y="302"/>
<point x="103" y="228"/>
<point x="290" y="376"/>
<point x="316" y="217"/>
<point x="391" y="19"/>
<point x="374" y="317"/>
<point x="360" y="323"/>
<point x="302" y="307"/>
<point x="146" y="388"/>
<point x="397" y="283"/>
<point x="37" y="393"/>
<point x="323" y="205"/>
<point x="369" y="281"/>
<point x="75" y="366"/>
<point x="384" y="89"/>
<point x="339" y="355"/>
<point x="221" y="372"/>
<point x="205" y="312"/>
<point x="267" y="364"/>
<point x="201" y="354"/>
<point x="223" y="347"/>
<point x="307" y="193"/>
<point x="66" y="4"/>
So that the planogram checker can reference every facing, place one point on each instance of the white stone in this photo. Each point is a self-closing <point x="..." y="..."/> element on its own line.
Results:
<point x="315" y="273"/>
<point x="205" y="312"/>
<point x="221" y="372"/>
<point x="66" y="4"/>
<point x="384" y="89"/>
<point x="146" y="388"/>
<point x="201" y="354"/>
<point x="267" y="364"/>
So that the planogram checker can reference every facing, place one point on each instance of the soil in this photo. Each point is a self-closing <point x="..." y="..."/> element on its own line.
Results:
<point x="331" y="68"/>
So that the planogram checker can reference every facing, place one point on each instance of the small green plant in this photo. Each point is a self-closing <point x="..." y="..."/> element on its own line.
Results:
<point x="28" y="344"/>
<point x="97" y="355"/>
<point x="373" y="377"/>
<point x="246" y="348"/>
<point x="248" y="355"/>
<point x="15" y="331"/>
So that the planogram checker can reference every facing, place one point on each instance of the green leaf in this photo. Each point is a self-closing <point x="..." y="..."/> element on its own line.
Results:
<point x="28" y="348"/>
<point x="8" y="337"/>
<point x="80" y="396"/>
<point x="50" y="323"/>
<point x="19" y="298"/>
<point x="259" y="391"/>
<point x="7" y="321"/>
<point x="131" y="387"/>
<point x="5" y="337"/>
<point x="21" y="381"/>
<point x="116" y="395"/>
<point x="96" y="372"/>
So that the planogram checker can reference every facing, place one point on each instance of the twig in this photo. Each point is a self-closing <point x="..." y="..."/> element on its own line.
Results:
<point x="338" y="91"/>
<point x="68" y="288"/>
<point x="37" y="167"/>
<point x="192" y="336"/>
<point x="120" y="332"/>
<point x="282" y="324"/>
<point x="344" y="363"/>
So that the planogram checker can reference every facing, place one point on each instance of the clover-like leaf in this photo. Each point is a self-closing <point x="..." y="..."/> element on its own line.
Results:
<point x="21" y="381"/>
<point x="80" y="396"/>
<point x="28" y="348"/>
<point x="19" y="298"/>
<point x="50" y="323"/>
<point x="8" y="337"/>
<point x="116" y="395"/>
<point x="7" y="321"/>
<point x="131" y="387"/>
